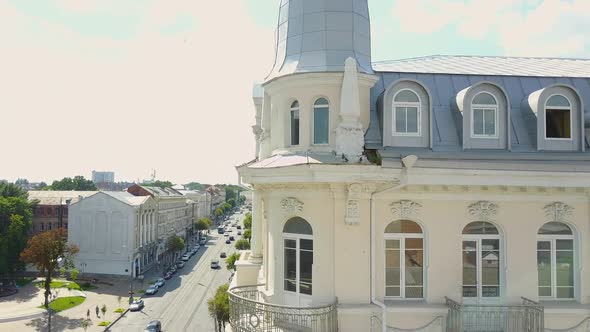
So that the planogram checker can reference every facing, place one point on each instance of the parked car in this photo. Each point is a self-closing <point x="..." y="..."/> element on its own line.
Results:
<point x="186" y="257"/>
<point x="222" y="254"/>
<point x="197" y="247"/>
<point x="151" y="290"/>
<point x="232" y="238"/>
<point x="203" y="241"/>
<point x="239" y="227"/>
<point x="168" y="275"/>
<point x="173" y="269"/>
<point x="214" y="263"/>
<point x="153" y="326"/>
<point x="239" y="232"/>
<point x="137" y="305"/>
<point x="180" y="265"/>
<point x="160" y="282"/>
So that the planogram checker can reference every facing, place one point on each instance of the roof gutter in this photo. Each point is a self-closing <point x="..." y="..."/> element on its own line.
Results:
<point x="408" y="163"/>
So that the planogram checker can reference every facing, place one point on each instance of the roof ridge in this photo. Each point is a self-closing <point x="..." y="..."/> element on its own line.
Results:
<point x="433" y="56"/>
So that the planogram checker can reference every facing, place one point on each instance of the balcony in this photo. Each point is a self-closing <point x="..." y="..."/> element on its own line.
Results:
<point x="250" y="313"/>
<point x="525" y="317"/>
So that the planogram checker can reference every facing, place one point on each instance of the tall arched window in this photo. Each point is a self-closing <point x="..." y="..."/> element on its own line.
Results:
<point x="484" y="120"/>
<point x="294" y="117"/>
<point x="404" y="260"/>
<point x="406" y="113"/>
<point x="321" y="121"/>
<point x="558" y="118"/>
<point x="555" y="261"/>
<point x="298" y="256"/>
<point x="481" y="260"/>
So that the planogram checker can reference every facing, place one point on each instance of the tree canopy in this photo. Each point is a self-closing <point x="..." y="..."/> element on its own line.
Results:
<point x="231" y="261"/>
<point x="78" y="183"/>
<point x="218" y="307"/>
<point x="242" y="244"/>
<point x="203" y="224"/>
<point x="196" y="186"/>
<point x="16" y="213"/>
<point x="160" y="184"/>
<point x="248" y="234"/>
<point x="175" y="243"/>
<point x="248" y="221"/>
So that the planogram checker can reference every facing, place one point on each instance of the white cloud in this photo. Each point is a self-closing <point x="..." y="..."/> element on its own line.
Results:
<point x="178" y="103"/>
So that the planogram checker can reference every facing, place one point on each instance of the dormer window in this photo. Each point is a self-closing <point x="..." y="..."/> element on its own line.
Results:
<point x="485" y="116"/>
<point x="321" y="121"/>
<point x="406" y="114"/>
<point x="294" y="116"/>
<point x="558" y="118"/>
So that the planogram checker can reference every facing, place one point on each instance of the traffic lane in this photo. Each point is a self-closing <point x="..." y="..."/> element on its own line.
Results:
<point x="173" y="303"/>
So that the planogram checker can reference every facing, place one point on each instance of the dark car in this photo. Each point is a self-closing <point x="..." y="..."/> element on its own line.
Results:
<point x="231" y="238"/>
<point x="222" y="255"/>
<point x="153" y="326"/>
<point x="228" y="241"/>
<point x="168" y="275"/>
<point x="239" y="227"/>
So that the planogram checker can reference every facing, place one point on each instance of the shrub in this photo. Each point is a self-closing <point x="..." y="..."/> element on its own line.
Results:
<point x="74" y="274"/>
<point x="119" y="310"/>
<point x="242" y="244"/>
<point x="104" y="323"/>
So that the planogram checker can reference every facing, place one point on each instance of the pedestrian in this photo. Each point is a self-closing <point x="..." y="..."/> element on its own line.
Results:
<point x="96" y="311"/>
<point x="88" y="314"/>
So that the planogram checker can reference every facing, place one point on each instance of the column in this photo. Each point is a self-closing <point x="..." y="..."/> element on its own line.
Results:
<point x="256" y="240"/>
<point x="141" y="230"/>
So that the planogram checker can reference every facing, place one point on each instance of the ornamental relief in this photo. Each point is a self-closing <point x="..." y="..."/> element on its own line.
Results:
<point x="405" y="208"/>
<point x="558" y="211"/>
<point x="291" y="205"/>
<point x="483" y="210"/>
<point x="353" y="215"/>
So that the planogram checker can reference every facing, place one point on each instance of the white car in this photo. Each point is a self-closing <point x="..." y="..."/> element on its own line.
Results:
<point x="226" y="234"/>
<point x="214" y="263"/>
<point x="186" y="257"/>
<point x="151" y="290"/>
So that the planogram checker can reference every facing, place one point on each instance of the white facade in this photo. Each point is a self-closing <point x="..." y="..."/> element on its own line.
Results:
<point x="115" y="231"/>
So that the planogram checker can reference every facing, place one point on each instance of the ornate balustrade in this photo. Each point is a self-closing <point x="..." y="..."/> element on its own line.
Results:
<point x="525" y="317"/>
<point x="250" y="313"/>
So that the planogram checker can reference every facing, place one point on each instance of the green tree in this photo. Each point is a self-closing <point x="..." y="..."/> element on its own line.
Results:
<point x="16" y="213"/>
<point x="12" y="190"/>
<point x="46" y="251"/>
<point x="196" y="186"/>
<point x="203" y="224"/>
<point x="103" y="309"/>
<point x="248" y="234"/>
<point x="231" y="202"/>
<point x="78" y="183"/>
<point x="160" y="184"/>
<point x="218" y="307"/>
<point x="242" y="244"/>
<point x="231" y="261"/>
<point x="74" y="274"/>
<point x="248" y="221"/>
<point x="218" y="212"/>
<point x="175" y="243"/>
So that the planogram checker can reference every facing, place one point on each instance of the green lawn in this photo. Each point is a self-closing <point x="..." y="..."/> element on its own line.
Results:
<point x="66" y="284"/>
<point x="64" y="303"/>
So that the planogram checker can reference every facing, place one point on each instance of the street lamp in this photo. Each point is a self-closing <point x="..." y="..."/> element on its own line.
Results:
<point x="130" y="276"/>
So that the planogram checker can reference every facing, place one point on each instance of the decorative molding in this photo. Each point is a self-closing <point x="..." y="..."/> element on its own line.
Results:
<point x="313" y="187"/>
<point x="353" y="214"/>
<point x="291" y="205"/>
<point x="405" y="208"/>
<point x="483" y="210"/>
<point x="558" y="211"/>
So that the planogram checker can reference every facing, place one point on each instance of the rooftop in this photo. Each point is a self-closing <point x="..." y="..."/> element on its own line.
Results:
<point x="48" y="197"/>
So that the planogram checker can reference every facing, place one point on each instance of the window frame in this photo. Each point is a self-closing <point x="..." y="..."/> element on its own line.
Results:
<point x="552" y="239"/>
<point x="297" y="238"/>
<point x="484" y="107"/>
<point x="478" y="238"/>
<point x="401" y="237"/>
<point x="291" y="110"/>
<point x="318" y="106"/>
<point x="397" y="104"/>
<point x="568" y="108"/>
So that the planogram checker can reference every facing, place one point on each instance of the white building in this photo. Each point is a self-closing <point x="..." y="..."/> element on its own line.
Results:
<point x="407" y="195"/>
<point x="201" y="201"/>
<point x="115" y="231"/>
<point x="103" y="177"/>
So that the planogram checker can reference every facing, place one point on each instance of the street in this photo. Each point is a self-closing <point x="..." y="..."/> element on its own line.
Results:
<point x="181" y="304"/>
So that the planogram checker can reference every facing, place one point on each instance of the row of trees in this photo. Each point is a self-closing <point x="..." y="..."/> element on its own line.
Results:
<point x="78" y="183"/>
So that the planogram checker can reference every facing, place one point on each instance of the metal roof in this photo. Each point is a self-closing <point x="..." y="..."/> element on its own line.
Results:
<point x="489" y="65"/>
<point x="127" y="198"/>
<point x="50" y="197"/>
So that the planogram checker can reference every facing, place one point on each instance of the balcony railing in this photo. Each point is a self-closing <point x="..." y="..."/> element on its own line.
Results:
<point x="248" y="312"/>
<point x="525" y="317"/>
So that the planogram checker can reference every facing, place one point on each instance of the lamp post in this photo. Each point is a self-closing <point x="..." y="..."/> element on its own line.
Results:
<point x="130" y="276"/>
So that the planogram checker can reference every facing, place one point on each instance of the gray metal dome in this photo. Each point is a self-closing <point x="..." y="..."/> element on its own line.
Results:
<point x="319" y="35"/>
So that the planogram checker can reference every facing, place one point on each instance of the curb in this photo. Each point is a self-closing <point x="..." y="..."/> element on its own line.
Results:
<point x="17" y="318"/>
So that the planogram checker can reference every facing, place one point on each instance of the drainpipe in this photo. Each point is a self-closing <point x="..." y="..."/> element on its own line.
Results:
<point x="408" y="162"/>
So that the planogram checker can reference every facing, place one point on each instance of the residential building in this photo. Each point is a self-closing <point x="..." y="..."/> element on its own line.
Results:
<point x="103" y="177"/>
<point x="443" y="193"/>
<point x="200" y="199"/>
<point x="116" y="233"/>
<point x="52" y="209"/>
<point x="172" y="215"/>
<point x="216" y="197"/>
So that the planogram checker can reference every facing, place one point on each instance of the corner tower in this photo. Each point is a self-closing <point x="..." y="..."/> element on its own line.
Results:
<point x="319" y="35"/>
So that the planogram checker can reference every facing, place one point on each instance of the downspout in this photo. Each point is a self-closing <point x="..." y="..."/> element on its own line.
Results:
<point x="407" y="162"/>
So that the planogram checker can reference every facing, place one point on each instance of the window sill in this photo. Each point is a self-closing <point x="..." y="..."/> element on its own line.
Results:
<point x="561" y="306"/>
<point x="413" y="306"/>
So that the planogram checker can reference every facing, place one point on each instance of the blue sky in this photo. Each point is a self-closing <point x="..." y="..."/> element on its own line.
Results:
<point x="136" y="85"/>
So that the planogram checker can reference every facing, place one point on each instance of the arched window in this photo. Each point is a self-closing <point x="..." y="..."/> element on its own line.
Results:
<point x="481" y="260"/>
<point x="406" y="113"/>
<point x="555" y="261"/>
<point x="298" y="256"/>
<point x="321" y="121"/>
<point x="294" y="117"/>
<point x="404" y="260"/>
<point x="558" y="118"/>
<point x="484" y="121"/>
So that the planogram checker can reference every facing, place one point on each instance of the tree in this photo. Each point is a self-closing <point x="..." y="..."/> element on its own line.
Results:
<point x="225" y="207"/>
<point x="46" y="250"/>
<point x="218" y="212"/>
<point x="203" y="224"/>
<point x="16" y="213"/>
<point x="104" y="310"/>
<point x="248" y="234"/>
<point x="78" y="183"/>
<point x="196" y="186"/>
<point x="248" y="221"/>
<point x="232" y="202"/>
<point x="231" y="261"/>
<point x="242" y="244"/>
<point x="74" y="274"/>
<point x="218" y="307"/>
<point x="175" y="243"/>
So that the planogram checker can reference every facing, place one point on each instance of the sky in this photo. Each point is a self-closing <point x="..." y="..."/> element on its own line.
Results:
<point x="133" y="86"/>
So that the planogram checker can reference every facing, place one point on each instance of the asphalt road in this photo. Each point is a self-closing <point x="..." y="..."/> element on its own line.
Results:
<point x="181" y="305"/>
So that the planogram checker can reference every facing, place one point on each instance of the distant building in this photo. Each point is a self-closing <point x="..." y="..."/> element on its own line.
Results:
<point x="116" y="233"/>
<point x="201" y="200"/>
<point x="103" y="177"/>
<point x="51" y="211"/>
